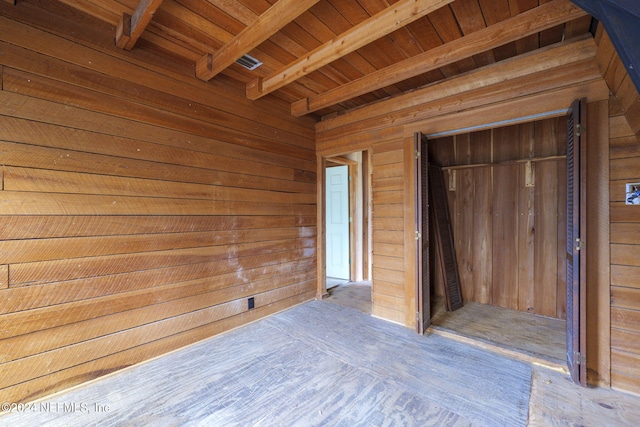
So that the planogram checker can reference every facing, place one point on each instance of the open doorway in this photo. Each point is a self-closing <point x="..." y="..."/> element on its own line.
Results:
<point x="347" y="230"/>
<point x="507" y="198"/>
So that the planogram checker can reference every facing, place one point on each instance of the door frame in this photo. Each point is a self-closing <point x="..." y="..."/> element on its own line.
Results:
<point x="352" y="176"/>
<point x="598" y="305"/>
<point x="365" y="219"/>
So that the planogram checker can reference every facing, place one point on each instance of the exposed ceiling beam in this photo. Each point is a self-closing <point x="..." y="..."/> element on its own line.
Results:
<point x="621" y="19"/>
<point x="530" y="22"/>
<point x="267" y="24"/>
<point x="580" y="52"/>
<point x="392" y="18"/>
<point x="131" y="27"/>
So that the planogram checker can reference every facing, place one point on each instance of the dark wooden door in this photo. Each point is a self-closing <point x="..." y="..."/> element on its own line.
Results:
<point x="576" y="266"/>
<point x="423" y="309"/>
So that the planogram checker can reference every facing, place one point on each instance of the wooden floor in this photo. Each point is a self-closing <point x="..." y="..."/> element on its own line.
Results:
<point x="514" y="333"/>
<point x="325" y="364"/>
<point x="356" y="295"/>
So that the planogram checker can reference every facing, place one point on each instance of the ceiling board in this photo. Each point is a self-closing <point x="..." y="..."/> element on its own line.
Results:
<point x="182" y="31"/>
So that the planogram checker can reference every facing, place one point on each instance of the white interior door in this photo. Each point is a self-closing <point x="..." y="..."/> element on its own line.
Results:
<point x="337" y="222"/>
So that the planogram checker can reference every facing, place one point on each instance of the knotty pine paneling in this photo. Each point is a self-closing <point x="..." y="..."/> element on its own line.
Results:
<point x="624" y="166"/>
<point x="139" y="209"/>
<point x="506" y="234"/>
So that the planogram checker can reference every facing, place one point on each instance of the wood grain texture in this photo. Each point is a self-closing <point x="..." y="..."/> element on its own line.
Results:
<point x="481" y="87"/>
<point x="4" y="276"/>
<point x="627" y="276"/>
<point x="310" y="366"/>
<point x="546" y="257"/>
<point x="552" y="393"/>
<point x="482" y="236"/>
<point x="537" y="338"/>
<point x="266" y="25"/>
<point x="388" y="182"/>
<point x="139" y="211"/>
<point x="599" y="231"/>
<point x="526" y="243"/>
<point x="506" y="233"/>
<point x="505" y="279"/>
<point x="377" y="26"/>
<point x="314" y="377"/>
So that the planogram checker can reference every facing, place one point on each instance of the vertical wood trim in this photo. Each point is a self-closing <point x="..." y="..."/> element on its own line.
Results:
<point x="419" y="204"/>
<point x="561" y="285"/>
<point x="4" y="276"/>
<point x="584" y="138"/>
<point x="598" y="254"/>
<point x="353" y="195"/>
<point x="409" y="233"/>
<point x="366" y="206"/>
<point x="424" y="232"/>
<point x="526" y="225"/>
<point x="322" y="232"/>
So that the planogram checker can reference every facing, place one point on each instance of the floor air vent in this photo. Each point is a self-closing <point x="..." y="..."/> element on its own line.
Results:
<point x="249" y="62"/>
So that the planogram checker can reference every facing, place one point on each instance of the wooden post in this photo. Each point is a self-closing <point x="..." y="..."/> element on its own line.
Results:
<point x="410" y="257"/>
<point x="598" y="256"/>
<point x="320" y="243"/>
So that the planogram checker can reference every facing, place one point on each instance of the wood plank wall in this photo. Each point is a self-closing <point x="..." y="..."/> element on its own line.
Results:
<point x="388" y="211"/>
<point x="389" y="207"/>
<point x="138" y="209"/>
<point x="479" y="99"/>
<point x="509" y="237"/>
<point x="459" y="102"/>
<point x="624" y="153"/>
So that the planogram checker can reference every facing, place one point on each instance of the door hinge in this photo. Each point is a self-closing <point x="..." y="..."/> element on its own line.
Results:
<point x="580" y="244"/>
<point x="580" y="129"/>
<point x="418" y="235"/>
<point x="579" y="358"/>
<point x="417" y="154"/>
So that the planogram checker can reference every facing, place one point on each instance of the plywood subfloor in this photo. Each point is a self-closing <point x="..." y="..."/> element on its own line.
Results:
<point x="518" y="334"/>
<point x="333" y="282"/>
<point x="356" y="295"/>
<point x="297" y="368"/>
<point x="556" y="401"/>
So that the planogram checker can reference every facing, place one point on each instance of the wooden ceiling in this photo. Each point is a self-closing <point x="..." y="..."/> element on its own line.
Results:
<point x="327" y="56"/>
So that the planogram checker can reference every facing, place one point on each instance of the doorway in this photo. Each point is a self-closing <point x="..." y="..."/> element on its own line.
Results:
<point x="507" y="197"/>
<point x="346" y="195"/>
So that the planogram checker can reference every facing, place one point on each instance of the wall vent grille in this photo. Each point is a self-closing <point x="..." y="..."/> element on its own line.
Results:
<point x="249" y="62"/>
